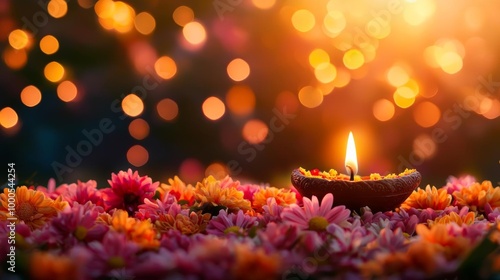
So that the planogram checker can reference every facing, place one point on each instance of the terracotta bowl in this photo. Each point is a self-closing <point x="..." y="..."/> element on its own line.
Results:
<point x="379" y="195"/>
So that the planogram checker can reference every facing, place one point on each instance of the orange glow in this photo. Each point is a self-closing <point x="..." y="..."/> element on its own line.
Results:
<point x="15" y="59"/>
<point x="353" y="59"/>
<point x="67" y="91"/>
<point x="18" y="39"/>
<point x="54" y="71"/>
<point x="104" y="8"/>
<point x="132" y="105"/>
<point x="255" y="131"/>
<point x="57" y="8"/>
<point x="137" y="155"/>
<point x="167" y="109"/>
<point x="191" y="170"/>
<point x="8" y="117"/>
<point x="49" y="44"/>
<point x="194" y="33"/>
<point x="183" y="15"/>
<point x="165" y="67"/>
<point x="493" y="111"/>
<point x="402" y="101"/>
<point x="240" y="100"/>
<point x="351" y="159"/>
<point x="213" y="108"/>
<point x="288" y="101"/>
<point x="397" y="76"/>
<point x="310" y="97"/>
<point x="144" y="23"/>
<point x="303" y="20"/>
<point x="264" y="4"/>
<point x="334" y="22"/>
<point x="123" y="17"/>
<point x="325" y="72"/>
<point x="383" y="110"/>
<point x="426" y="114"/>
<point x="139" y="129"/>
<point x="238" y="70"/>
<point x="450" y="62"/>
<point x="424" y="146"/>
<point x="317" y="57"/>
<point x="86" y="4"/>
<point x="342" y="79"/>
<point x="31" y="96"/>
<point x="218" y="170"/>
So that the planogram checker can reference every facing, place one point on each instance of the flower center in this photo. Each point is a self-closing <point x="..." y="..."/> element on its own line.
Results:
<point x="116" y="262"/>
<point x="131" y="202"/>
<point x="25" y="211"/>
<point x="80" y="232"/>
<point x="232" y="229"/>
<point x="318" y="223"/>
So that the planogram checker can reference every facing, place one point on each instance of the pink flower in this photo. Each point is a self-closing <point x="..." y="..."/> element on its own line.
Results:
<point x="456" y="184"/>
<point x="271" y="212"/>
<point x="128" y="190"/>
<point x="51" y="191"/>
<point x="314" y="216"/>
<point x="82" y="193"/>
<point x="154" y="265"/>
<point x="153" y="209"/>
<point x="298" y="196"/>
<point x="278" y="236"/>
<point x="226" y="223"/>
<point x="248" y="191"/>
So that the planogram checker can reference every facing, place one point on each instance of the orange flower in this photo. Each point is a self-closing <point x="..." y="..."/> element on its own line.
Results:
<point x="451" y="246"/>
<point x="194" y="223"/>
<point x="283" y="197"/>
<point x="454" y="218"/>
<point x="179" y="189"/>
<point x="437" y="199"/>
<point x="31" y="206"/>
<point x="209" y="192"/>
<point x="248" y="259"/>
<point x="141" y="232"/>
<point x="477" y="195"/>
<point x="49" y="266"/>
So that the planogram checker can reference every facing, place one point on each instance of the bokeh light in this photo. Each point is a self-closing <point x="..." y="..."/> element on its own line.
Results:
<point x="397" y="76"/>
<point x="167" y="109"/>
<point x="264" y="4"/>
<point x="191" y="170"/>
<point x="255" y="131"/>
<point x="183" y="15"/>
<point x="303" y="20"/>
<point x="57" y="8"/>
<point x="194" y="33"/>
<point x="139" y="129"/>
<point x="54" y="71"/>
<point x="238" y="70"/>
<point x="240" y="100"/>
<point x="8" y="117"/>
<point x="15" y="59"/>
<point x="353" y="59"/>
<point x="450" y="62"/>
<point x="218" y="170"/>
<point x="317" y="57"/>
<point x="402" y="101"/>
<point x="213" y="108"/>
<point x="325" y="72"/>
<point x="132" y="105"/>
<point x="310" y="97"/>
<point x="383" y="110"/>
<point x="424" y="146"/>
<point x="18" y="39"/>
<point x="165" y="67"/>
<point x="144" y="23"/>
<point x="334" y="22"/>
<point x="31" y="96"/>
<point x="49" y="44"/>
<point x="137" y="155"/>
<point x="426" y="114"/>
<point x="67" y="91"/>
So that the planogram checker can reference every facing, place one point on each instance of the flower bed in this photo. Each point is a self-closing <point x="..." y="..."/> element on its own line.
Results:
<point x="221" y="229"/>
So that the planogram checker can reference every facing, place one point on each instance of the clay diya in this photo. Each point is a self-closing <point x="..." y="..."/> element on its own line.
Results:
<point x="380" y="193"/>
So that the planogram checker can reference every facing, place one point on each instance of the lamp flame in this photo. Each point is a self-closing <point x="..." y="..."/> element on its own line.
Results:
<point x="351" y="160"/>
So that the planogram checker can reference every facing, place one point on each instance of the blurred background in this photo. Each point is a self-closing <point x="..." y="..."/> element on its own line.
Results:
<point x="249" y="88"/>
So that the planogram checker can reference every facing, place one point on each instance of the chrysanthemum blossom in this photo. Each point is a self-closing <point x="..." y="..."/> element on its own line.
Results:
<point x="456" y="184"/>
<point x="431" y="197"/>
<point x="249" y="190"/>
<point x="271" y="212"/>
<point x="211" y="193"/>
<point x="51" y="191"/>
<point x="82" y="192"/>
<point x="31" y="206"/>
<point x="44" y="265"/>
<point x="283" y="197"/>
<point x="140" y="232"/>
<point x="248" y="259"/>
<point x="178" y="189"/>
<point x="315" y="216"/>
<point x="231" y="223"/>
<point x="153" y="209"/>
<point x="476" y="196"/>
<point x="128" y="190"/>
<point x="188" y="224"/>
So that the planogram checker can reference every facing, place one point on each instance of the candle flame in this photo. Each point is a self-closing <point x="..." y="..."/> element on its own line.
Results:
<point x="351" y="160"/>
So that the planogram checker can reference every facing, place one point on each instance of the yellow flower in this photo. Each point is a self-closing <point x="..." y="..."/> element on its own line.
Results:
<point x="31" y="207"/>
<point x="437" y="199"/>
<point x="283" y="197"/>
<point x="49" y="266"/>
<point x="140" y="232"/>
<point x="188" y="225"/>
<point x="249" y="259"/>
<point x="454" y="218"/>
<point x="209" y="192"/>
<point x="179" y="189"/>
<point x="477" y="195"/>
